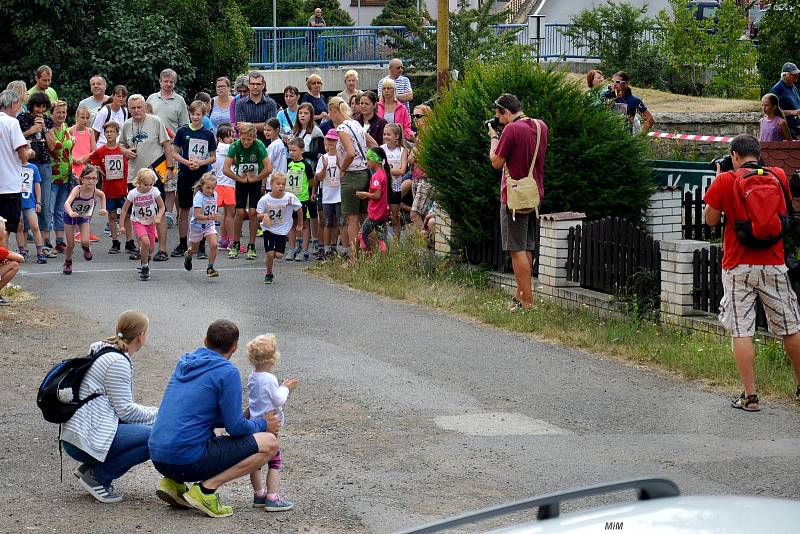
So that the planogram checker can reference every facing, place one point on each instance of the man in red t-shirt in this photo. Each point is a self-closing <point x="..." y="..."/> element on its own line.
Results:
<point x="516" y="148"/>
<point x="748" y="273"/>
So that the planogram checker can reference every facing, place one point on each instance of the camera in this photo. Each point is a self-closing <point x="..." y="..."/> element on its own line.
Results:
<point x="494" y="122"/>
<point x="725" y="163"/>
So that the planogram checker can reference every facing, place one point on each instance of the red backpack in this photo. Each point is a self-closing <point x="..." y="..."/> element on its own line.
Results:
<point x="762" y="207"/>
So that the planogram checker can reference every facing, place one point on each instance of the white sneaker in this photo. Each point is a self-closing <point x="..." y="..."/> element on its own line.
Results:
<point x="289" y="256"/>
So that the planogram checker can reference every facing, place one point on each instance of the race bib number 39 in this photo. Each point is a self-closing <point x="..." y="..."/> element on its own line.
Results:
<point x="114" y="167"/>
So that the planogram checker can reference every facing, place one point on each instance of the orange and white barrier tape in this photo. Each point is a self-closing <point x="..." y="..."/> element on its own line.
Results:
<point x="691" y="137"/>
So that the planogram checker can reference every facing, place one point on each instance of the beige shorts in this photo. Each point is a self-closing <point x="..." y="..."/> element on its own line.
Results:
<point x="422" y="197"/>
<point x="770" y="283"/>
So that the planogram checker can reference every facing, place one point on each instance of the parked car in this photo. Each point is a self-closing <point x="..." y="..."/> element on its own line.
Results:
<point x="704" y="9"/>
<point x="660" y="508"/>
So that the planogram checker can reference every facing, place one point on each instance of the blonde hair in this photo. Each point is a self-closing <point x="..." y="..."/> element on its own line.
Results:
<point x="58" y="104"/>
<point x="313" y="78"/>
<point x="341" y="105"/>
<point x="206" y="178"/>
<point x="20" y="87"/>
<point x="247" y="128"/>
<point x="129" y="325"/>
<point x="79" y="109"/>
<point x="388" y="82"/>
<point x="351" y="74"/>
<point x="263" y="350"/>
<point x="144" y="174"/>
<point x="277" y="175"/>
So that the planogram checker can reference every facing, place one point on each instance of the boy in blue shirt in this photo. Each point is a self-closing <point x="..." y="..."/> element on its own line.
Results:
<point x="31" y="207"/>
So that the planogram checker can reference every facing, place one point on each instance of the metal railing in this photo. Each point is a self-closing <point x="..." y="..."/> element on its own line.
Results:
<point x="277" y="48"/>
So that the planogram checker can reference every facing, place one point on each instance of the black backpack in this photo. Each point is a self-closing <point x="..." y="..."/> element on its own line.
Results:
<point x="58" y="395"/>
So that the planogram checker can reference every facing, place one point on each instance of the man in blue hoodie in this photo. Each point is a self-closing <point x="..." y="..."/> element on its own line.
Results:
<point x="204" y="393"/>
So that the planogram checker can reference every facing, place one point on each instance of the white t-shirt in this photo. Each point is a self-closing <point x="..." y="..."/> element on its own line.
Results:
<point x="278" y="156"/>
<point x="280" y="212"/>
<point x="358" y="136"/>
<point x="264" y="394"/>
<point x="144" y="206"/>
<point x="207" y="205"/>
<point x="222" y="153"/>
<point x="331" y="182"/>
<point x="394" y="157"/>
<point x="11" y="139"/>
<point x="102" y="117"/>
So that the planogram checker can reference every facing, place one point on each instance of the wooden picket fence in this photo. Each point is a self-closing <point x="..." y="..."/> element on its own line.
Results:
<point x="694" y="226"/>
<point x="492" y="255"/>
<point x="603" y="254"/>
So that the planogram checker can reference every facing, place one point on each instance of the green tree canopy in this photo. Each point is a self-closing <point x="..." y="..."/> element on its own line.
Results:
<point x="593" y="164"/>
<point x="779" y="40"/>
<point x="396" y="12"/>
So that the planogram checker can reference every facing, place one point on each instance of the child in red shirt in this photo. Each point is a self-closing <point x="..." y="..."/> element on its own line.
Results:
<point x="9" y="264"/>
<point x="378" y="196"/>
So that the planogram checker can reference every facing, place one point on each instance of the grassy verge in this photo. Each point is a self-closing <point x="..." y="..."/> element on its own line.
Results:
<point x="415" y="275"/>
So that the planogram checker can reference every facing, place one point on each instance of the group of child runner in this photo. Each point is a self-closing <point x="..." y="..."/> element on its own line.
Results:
<point x="221" y="182"/>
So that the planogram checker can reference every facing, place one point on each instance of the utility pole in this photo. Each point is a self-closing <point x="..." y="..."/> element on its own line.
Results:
<point x="442" y="38"/>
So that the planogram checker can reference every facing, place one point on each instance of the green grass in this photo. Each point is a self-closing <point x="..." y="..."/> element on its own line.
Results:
<point x="413" y="274"/>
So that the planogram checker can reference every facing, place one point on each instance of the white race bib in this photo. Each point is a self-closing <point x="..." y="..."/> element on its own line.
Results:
<point x="209" y="208"/>
<point x="115" y="168"/>
<point x="332" y="176"/>
<point x="293" y="180"/>
<point x="244" y="168"/>
<point x="27" y="181"/>
<point x="83" y="208"/>
<point x="198" y="149"/>
<point x="275" y="212"/>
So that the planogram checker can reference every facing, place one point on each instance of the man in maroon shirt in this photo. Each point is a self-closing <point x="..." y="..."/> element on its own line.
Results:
<point x="515" y="148"/>
<point x="748" y="273"/>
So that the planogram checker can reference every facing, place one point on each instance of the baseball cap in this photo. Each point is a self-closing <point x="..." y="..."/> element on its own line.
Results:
<point x="790" y="68"/>
<point x="332" y="134"/>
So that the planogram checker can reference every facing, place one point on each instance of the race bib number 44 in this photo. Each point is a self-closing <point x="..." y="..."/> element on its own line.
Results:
<point x="198" y="149"/>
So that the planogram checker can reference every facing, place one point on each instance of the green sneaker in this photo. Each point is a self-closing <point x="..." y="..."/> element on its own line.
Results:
<point x="251" y="252"/>
<point x="234" y="252"/>
<point x="208" y="504"/>
<point x="172" y="492"/>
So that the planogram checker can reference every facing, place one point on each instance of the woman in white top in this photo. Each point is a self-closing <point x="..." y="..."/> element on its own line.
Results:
<point x="109" y="434"/>
<point x="351" y="149"/>
<point x="350" y="86"/>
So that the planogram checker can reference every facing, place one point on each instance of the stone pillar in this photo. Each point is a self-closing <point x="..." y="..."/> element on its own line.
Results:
<point x="664" y="214"/>
<point x="442" y="233"/>
<point x="553" y="249"/>
<point x="677" y="273"/>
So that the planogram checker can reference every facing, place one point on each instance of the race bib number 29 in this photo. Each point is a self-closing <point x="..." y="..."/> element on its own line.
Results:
<point x="244" y="168"/>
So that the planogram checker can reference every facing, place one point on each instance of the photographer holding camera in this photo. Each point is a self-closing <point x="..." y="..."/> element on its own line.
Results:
<point x="513" y="150"/>
<point x="756" y="203"/>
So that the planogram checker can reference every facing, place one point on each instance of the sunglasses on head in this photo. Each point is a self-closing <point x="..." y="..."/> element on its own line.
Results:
<point x="417" y="116"/>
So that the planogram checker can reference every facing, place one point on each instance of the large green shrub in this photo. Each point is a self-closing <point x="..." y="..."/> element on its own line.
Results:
<point x="395" y="12"/>
<point x="593" y="164"/>
<point x="779" y="40"/>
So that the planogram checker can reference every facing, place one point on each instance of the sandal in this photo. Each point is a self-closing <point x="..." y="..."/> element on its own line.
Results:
<point x="748" y="403"/>
<point x="160" y="256"/>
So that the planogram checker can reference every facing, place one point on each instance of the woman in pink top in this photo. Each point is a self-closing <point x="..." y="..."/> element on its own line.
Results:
<point x="83" y="139"/>
<point x="392" y="110"/>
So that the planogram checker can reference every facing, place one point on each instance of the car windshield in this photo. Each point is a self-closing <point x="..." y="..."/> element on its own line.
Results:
<point x="709" y="12"/>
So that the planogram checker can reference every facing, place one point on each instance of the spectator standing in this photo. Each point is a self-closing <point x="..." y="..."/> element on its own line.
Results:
<point x="241" y="90"/>
<point x="595" y="80"/>
<point x="35" y="125"/>
<point x="258" y="107"/>
<point x="168" y="105"/>
<point x="145" y="143"/>
<point x="316" y="20"/>
<point x="403" y="90"/>
<point x="788" y="98"/>
<point x="392" y="111"/>
<point x="98" y="98"/>
<point x="772" y="126"/>
<point x="748" y="273"/>
<point x="368" y="105"/>
<point x="13" y="154"/>
<point x="315" y="98"/>
<point x="44" y="77"/>
<point x="287" y="117"/>
<point x="59" y="143"/>
<point x="625" y="103"/>
<point x="350" y="86"/>
<point x="21" y="89"/>
<point x="221" y="104"/>
<point x="513" y="151"/>
<point x="115" y="111"/>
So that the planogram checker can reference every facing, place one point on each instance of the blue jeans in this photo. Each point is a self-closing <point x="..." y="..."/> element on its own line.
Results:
<point x="128" y="449"/>
<point x="58" y="196"/>
<point x="45" y="216"/>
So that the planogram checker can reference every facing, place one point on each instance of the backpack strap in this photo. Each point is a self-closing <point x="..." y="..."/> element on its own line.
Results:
<point x="535" y="157"/>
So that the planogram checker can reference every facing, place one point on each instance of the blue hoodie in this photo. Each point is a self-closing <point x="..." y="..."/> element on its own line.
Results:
<point x="205" y="392"/>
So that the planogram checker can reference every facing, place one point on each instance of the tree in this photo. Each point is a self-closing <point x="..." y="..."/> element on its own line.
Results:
<point x="614" y="32"/>
<point x="396" y="12"/>
<point x="472" y="36"/>
<point x="259" y="12"/>
<point x="778" y="38"/>
<point x="593" y="164"/>
<point x="734" y="69"/>
<point x="689" y="46"/>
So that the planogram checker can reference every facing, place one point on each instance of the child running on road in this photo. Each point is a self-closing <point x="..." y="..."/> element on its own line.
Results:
<point x="31" y="207"/>
<point x="252" y="166"/>
<point x="275" y="211"/>
<point x="204" y="214"/>
<point x="378" y="208"/>
<point x="78" y="210"/>
<point x="148" y="210"/>
<point x="265" y="395"/>
<point x="226" y="187"/>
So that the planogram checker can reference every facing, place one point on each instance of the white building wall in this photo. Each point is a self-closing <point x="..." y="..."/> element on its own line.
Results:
<point x="370" y="12"/>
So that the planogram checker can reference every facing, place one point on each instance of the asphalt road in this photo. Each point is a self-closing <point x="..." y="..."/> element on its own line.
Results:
<point x="405" y="414"/>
